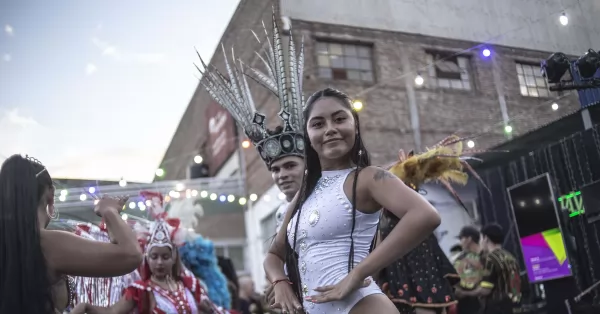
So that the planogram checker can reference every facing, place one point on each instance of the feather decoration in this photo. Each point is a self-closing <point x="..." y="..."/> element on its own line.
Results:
<point x="444" y="163"/>
<point x="199" y="257"/>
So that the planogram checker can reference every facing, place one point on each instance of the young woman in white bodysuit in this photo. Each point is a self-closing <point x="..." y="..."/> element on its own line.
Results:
<point x="327" y="249"/>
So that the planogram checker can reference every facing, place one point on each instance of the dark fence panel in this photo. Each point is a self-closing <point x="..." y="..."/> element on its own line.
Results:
<point x="571" y="162"/>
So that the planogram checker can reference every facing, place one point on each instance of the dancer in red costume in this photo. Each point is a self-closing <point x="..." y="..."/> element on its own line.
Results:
<point x="164" y="286"/>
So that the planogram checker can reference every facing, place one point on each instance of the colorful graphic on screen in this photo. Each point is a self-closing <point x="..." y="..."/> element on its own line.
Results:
<point x="545" y="256"/>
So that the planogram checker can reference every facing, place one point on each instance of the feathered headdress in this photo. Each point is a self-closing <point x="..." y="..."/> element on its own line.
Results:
<point x="198" y="255"/>
<point x="283" y="78"/>
<point x="163" y="231"/>
<point x="444" y="163"/>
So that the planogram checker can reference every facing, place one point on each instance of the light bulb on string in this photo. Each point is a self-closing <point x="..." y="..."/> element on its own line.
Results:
<point x="470" y="144"/>
<point x="92" y="190"/>
<point x="64" y="193"/>
<point x="148" y="203"/>
<point x="245" y="143"/>
<point x="281" y="196"/>
<point x="198" y="159"/>
<point x="159" y="172"/>
<point x="419" y="80"/>
<point x="96" y="202"/>
<point x="242" y="201"/>
<point x="222" y="198"/>
<point x="132" y="205"/>
<point x="213" y="196"/>
<point x="143" y="207"/>
<point x="62" y="198"/>
<point x="486" y="52"/>
<point x="357" y="105"/>
<point x="194" y="193"/>
<point x="122" y="183"/>
<point x="508" y="129"/>
<point x="253" y="197"/>
<point x="124" y="217"/>
<point x="179" y="187"/>
<point x="141" y="204"/>
<point x="554" y="106"/>
<point x="82" y="197"/>
<point x="230" y="198"/>
<point x="204" y="194"/>
<point x="563" y="19"/>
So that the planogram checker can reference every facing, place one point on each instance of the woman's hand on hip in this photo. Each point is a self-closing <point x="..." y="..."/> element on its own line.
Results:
<point x="339" y="291"/>
<point x="285" y="299"/>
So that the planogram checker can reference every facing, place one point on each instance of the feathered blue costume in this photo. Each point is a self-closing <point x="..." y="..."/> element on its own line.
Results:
<point x="199" y="257"/>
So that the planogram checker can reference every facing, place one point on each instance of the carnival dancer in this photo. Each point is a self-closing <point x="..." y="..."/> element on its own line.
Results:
<point x="500" y="288"/>
<point x="333" y="234"/>
<point x="36" y="261"/>
<point x="165" y="287"/>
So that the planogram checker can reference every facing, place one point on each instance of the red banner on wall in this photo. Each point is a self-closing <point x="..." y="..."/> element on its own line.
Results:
<point x="221" y="136"/>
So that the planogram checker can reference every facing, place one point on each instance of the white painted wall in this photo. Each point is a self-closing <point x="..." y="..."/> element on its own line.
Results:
<point x="257" y="211"/>
<point x="531" y="24"/>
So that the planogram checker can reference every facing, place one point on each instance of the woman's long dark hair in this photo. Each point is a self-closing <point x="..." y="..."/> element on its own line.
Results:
<point x="359" y="157"/>
<point x="24" y="278"/>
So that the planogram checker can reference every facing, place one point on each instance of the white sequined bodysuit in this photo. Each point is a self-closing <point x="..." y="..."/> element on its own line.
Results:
<point x="323" y="241"/>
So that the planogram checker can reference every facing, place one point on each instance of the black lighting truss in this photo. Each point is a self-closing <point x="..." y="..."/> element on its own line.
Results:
<point x="563" y="73"/>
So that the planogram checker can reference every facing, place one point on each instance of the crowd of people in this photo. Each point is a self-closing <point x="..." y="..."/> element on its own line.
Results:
<point x="351" y="237"/>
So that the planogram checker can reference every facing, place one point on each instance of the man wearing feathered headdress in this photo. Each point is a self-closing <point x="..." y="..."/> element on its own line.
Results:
<point x="282" y="149"/>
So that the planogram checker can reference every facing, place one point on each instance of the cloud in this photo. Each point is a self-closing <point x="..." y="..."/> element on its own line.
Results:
<point x="13" y="118"/>
<point x="7" y="57"/>
<point x="118" y="54"/>
<point x="90" y="69"/>
<point x="9" y="30"/>
<point x="22" y="134"/>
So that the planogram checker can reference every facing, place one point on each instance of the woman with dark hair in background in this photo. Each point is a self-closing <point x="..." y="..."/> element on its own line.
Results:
<point x="334" y="219"/>
<point x="34" y="261"/>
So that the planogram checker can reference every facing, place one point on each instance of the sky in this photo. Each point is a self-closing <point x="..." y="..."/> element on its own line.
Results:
<point x="95" y="89"/>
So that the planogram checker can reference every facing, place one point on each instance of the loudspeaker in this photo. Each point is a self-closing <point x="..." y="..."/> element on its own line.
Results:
<point x="199" y="171"/>
<point x="590" y="195"/>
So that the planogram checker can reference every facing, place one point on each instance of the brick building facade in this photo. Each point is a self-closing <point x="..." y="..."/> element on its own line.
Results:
<point x="393" y="59"/>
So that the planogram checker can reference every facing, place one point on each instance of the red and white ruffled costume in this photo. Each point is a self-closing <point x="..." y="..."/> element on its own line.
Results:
<point x="189" y="293"/>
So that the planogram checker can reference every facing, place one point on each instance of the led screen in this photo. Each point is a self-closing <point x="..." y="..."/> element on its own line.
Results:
<point x="542" y="242"/>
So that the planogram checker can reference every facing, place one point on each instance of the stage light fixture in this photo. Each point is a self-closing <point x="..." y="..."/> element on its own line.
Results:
<point x="555" y="67"/>
<point x="588" y="64"/>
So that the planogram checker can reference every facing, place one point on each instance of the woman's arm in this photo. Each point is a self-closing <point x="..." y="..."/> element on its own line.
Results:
<point x="418" y="219"/>
<point x="275" y="259"/>
<point x="69" y="254"/>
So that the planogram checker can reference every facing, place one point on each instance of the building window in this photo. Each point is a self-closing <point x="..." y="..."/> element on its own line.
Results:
<point x="531" y="81"/>
<point x="338" y="61"/>
<point x="448" y="71"/>
<point x="233" y="252"/>
<point x="267" y="230"/>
